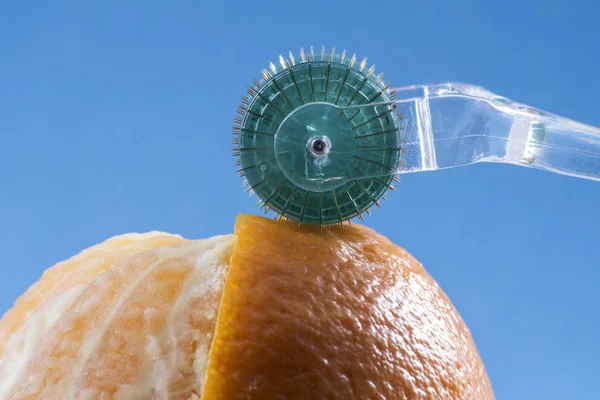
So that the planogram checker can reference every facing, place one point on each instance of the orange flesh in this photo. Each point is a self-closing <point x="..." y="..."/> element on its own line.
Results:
<point x="138" y="328"/>
<point x="336" y="314"/>
<point x="77" y="270"/>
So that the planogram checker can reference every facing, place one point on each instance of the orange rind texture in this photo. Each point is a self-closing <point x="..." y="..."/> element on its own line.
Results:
<point x="271" y="312"/>
<point x="336" y="314"/>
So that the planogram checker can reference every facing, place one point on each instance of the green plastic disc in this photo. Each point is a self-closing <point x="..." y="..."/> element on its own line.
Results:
<point x="318" y="139"/>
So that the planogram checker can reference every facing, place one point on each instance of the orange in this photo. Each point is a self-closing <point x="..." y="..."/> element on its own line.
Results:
<point x="271" y="312"/>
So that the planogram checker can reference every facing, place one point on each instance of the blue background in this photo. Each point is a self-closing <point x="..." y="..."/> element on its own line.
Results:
<point x="117" y="118"/>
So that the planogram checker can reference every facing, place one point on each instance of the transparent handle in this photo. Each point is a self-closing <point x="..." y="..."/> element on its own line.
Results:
<point x="453" y="124"/>
<point x="323" y="146"/>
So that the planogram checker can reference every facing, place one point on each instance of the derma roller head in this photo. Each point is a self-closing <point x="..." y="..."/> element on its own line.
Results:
<point x="305" y="151"/>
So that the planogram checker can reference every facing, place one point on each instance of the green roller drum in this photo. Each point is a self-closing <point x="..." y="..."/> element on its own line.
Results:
<point x="305" y="151"/>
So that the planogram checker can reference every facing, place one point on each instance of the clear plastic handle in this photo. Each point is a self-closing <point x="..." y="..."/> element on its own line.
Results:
<point x="452" y="124"/>
<point x="322" y="146"/>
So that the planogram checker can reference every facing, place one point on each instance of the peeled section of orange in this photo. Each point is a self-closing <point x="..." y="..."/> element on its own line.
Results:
<point x="271" y="312"/>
